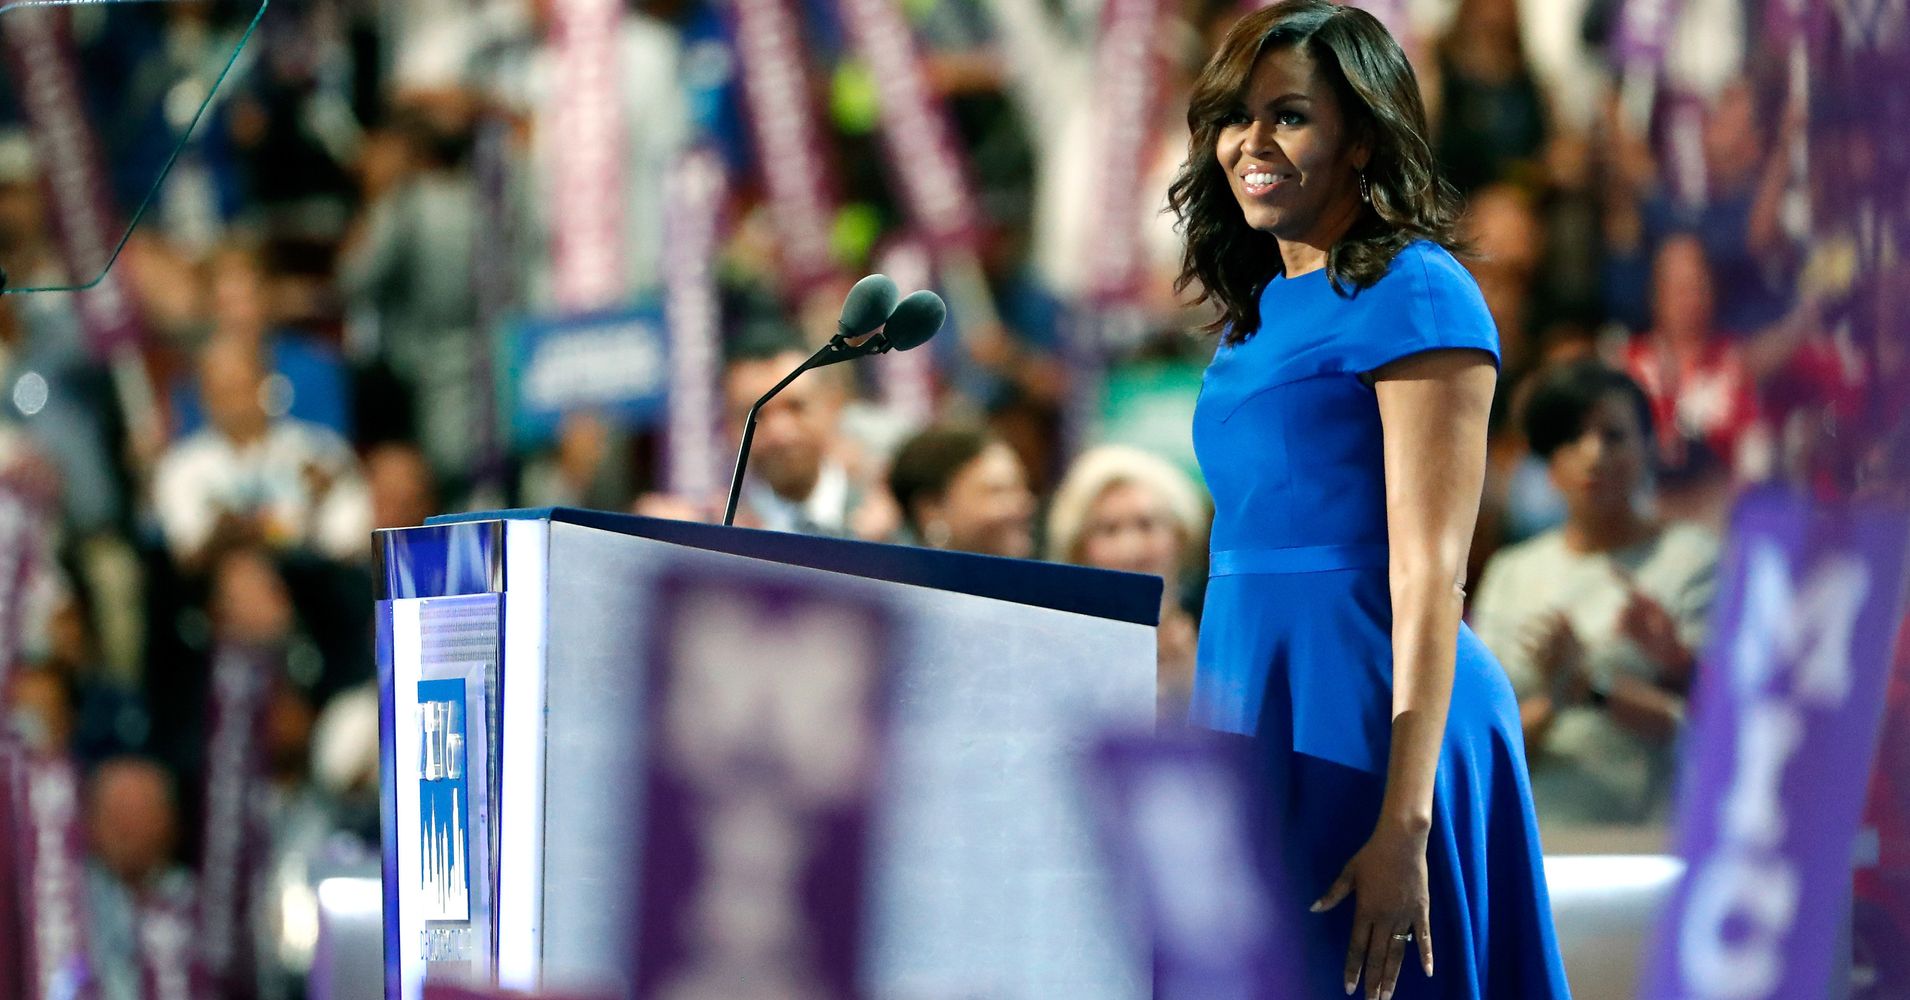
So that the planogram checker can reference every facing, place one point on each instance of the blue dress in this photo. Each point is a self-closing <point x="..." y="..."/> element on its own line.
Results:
<point x="1296" y="645"/>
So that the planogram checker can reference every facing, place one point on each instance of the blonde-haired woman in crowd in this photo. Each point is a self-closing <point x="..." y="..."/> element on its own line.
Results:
<point x="1125" y="509"/>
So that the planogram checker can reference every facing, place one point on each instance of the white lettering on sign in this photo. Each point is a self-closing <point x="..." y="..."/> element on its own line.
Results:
<point x="768" y="722"/>
<point x="53" y="804"/>
<point x="1757" y="895"/>
<point x="1812" y="627"/>
<point x="776" y="88"/>
<point x="165" y="939"/>
<point x="589" y="367"/>
<point x="446" y="944"/>
<point x="1792" y="653"/>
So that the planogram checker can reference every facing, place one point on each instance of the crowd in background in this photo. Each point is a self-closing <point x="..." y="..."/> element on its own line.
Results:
<point x="319" y="354"/>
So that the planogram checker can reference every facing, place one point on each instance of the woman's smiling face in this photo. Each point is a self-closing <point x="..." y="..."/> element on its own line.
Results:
<point x="1288" y="150"/>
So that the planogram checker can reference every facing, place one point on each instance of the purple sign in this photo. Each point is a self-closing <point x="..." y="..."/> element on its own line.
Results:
<point x="40" y="49"/>
<point x="586" y="144"/>
<point x="792" y="152"/>
<point x="167" y="952"/>
<point x="925" y="160"/>
<point x="15" y="953"/>
<point x="1129" y="73"/>
<point x="54" y="894"/>
<point x="1787" y="22"/>
<point x="1185" y="823"/>
<point x="1783" y="730"/>
<point x="693" y="229"/>
<point x="766" y="725"/>
<point x="1644" y="31"/>
<point x="1682" y="148"/>
<point x="234" y="842"/>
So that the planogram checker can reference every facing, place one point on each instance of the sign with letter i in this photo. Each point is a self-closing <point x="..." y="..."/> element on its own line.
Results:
<point x="1784" y="726"/>
<point x="760" y="775"/>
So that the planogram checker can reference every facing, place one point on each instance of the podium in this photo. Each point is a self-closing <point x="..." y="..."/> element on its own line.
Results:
<point x="513" y="744"/>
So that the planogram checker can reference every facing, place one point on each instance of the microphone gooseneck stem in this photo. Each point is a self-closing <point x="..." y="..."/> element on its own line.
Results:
<point x="835" y="350"/>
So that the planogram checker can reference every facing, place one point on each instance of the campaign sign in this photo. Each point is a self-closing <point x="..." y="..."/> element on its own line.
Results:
<point x="1645" y="29"/>
<point x="765" y="722"/>
<point x="615" y="364"/>
<point x="1186" y="823"/>
<point x="1777" y="757"/>
<point x="52" y="845"/>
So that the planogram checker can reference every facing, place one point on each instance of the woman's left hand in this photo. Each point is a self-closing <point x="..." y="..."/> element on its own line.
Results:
<point x="1387" y="880"/>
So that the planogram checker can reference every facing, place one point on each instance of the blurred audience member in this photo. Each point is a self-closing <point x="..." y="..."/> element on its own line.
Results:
<point x="252" y="478"/>
<point x="1125" y="509"/>
<point x="1738" y="219"/>
<point x="588" y="466"/>
<point x="399" y="481"/>
<point x="961" y="489"/>
<point x="1693" y="375"/>
<point x="1508" y="239"/>
<point x="249" y="603"/>
<point x="42" y="709"/>
<point x="411" y="265"/>
<point x="132" y="823"/>
<point x="307" y="381"/>
<point x="103" y="715"/>
<point x="1598" y="622"/>
<point x="1491" y="122"/>
<point x="797" y="479"/>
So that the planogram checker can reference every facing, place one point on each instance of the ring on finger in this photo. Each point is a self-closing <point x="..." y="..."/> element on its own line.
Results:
<point x="1406" y="936"/>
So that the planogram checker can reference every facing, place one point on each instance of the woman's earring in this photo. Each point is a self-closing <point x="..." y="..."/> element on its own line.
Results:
<point x="1366" y="191"/>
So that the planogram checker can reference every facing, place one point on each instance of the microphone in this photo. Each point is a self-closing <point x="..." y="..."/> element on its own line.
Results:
<point x="870" y="305"/>
<point x="915" y="320"/>
<point x="867" y="306"/>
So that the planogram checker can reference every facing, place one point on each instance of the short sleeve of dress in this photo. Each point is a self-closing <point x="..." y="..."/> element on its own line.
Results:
<point x="1432" y="303"/>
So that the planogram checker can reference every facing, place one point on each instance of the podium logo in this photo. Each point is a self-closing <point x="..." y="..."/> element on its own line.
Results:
<point x="443" y="802"/>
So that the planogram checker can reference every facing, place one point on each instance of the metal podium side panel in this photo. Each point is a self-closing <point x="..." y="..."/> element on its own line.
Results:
<point x="987" y="880"/>
<point x="520" y="853"/>
<point x="593" y="752"/>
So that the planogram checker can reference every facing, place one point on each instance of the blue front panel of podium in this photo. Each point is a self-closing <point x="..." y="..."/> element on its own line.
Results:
<point x="441" y="560"/>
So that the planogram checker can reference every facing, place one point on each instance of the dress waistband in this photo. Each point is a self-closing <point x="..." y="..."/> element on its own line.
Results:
<point x="1300" y="559"/>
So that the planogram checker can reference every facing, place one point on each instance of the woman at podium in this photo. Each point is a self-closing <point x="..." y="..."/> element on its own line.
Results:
<point x="1342" y="429"/>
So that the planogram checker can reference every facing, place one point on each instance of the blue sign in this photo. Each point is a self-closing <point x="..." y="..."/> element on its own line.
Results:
<point x="615" y="364"/>
<point x="444" y="802"/>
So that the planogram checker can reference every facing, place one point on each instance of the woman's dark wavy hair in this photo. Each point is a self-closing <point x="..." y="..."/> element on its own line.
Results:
<point x="1232" y="262"/>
